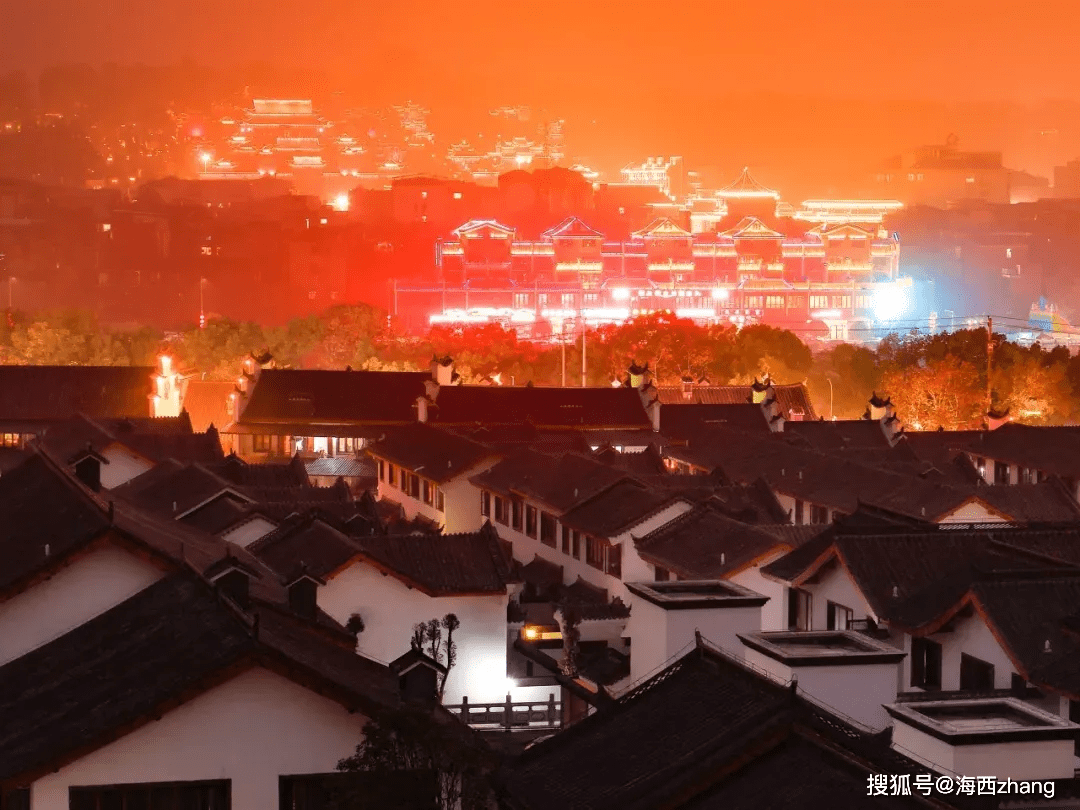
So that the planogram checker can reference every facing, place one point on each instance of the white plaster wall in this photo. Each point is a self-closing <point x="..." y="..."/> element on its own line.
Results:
<point x="657" y="635"/>
<point x="93" y="583"/>
<point x="634" y="569"/>
<point x="972" y="513"/>
<point x="835" y="586"/>
<point x="123" y="465"/>
<point x="1038" y="759"/>
<point x="860" y="692"/>
<point x="461" y="501"/>
<point x="972" y="636"/>
<point x="773" y="612"/>
<point x="247" y="533"/>
<point x="390" y="610"/>
<point x="251" y="729"/>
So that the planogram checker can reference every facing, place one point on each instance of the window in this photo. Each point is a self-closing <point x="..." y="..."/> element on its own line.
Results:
<point x="391" y="475"/>
<point x="153" y="796"/>
<point x="613" y="566"/>
<point x="566" y="539"/>
<point x="260" y="443"/>
<point x="502" y="512"/>
<point x="515" y="514"/>
<point x="819" y="301"/>
<point x="521" y="300"/>
<point x="976" y="675"/>
<point x="661" y="574"/>
<point x="485" y="503"/>
<point x="799" y="604"/>
<point x="429" y="492"/>
<point x="18" y="799"/>
<point x="575" y="542"/>
<point x="405" y="789"/>
<point x="819" y="514"/>
<point x="1027" y="475"/>
<point x="774" y="302"/>
<point x="547" y="529"/>
<point x="837" y="617"/>
<point x="382" y="470"/>
<point x="925" y="663"/>
<point x="414" y="484"/>
<point x="530" y="521"/>
<point x="798" y="513"/>
<point x="440" y="501"/>
<point x="594" y="553"/>
<point x="1002" y="473"/>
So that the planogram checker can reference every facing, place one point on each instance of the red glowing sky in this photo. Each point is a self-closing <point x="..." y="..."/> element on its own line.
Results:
<point x="780" y="84"/>
<point x="908" y="48"/>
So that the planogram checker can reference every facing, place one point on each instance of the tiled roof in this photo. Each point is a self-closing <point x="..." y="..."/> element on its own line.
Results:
<point x="122" y="668"/>
<point x="342" y="466"/>
<point x="334" y="397"/>
<point x="912" y="578"/>
<point x="680" y="421"/>
<point x="861" y="434"/>
<point x="207" y="403"/>
<point x="616" y="509"/>
<point x="792" y="398"/>
<point x="48" y="393"/>
<point x="1028" y="616"/>
<point x="311" y="539"/>
<point x="431" y="452"/>
<point x="443" y="565"/>
<point x="237" y="471"/>
<point x="559" y="482"/>
<point x="1050" y="449"/>
<point x="577" y="408"/>
<point x="705" y="544"/>
<point x="172" y="439"/>
<point x="704" y="728"/>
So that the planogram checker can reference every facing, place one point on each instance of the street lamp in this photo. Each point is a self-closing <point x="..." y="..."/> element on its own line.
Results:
<point x="205" y="157"/>
<point x="10" y="286"/>
<point x="202" y="312"/>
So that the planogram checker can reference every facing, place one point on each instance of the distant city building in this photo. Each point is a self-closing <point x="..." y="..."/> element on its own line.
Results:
<point x="942" y="175"/>
<point x="667" y="174"/>
<point x="751" y="267"/>
<point x="1067" y="180"/>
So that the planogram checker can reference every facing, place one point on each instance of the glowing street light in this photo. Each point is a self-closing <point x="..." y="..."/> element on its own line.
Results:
<point x="205" y="157"/>
<point x="202" y="312"/>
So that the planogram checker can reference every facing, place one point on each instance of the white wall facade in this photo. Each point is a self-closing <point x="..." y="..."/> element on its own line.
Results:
<point x="461" y="500"/>
<point x="251" y="730"/>
<point x="1036" y="759"/>
<point x="634" y="569"/>
<point x="390" y="610"/>
<point x="834" y="585"/>
<point x="773" y="612"/>
<point x="859" y="691"/>
<point x="972" y="513"/>
<point x="249" y="531"/>
<point x="92" y="584"/>
<point x="124" y="464"/>
<point x="657" y="635"/>
<point x="970" y="636"/>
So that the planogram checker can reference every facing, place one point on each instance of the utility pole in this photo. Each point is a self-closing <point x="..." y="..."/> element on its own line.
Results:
<point x="989" y="359"/>
<point x="562" y="342"/>
<point x="583" y="351"/>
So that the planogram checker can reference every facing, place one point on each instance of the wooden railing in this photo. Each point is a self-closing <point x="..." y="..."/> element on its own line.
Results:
<point x="511" y="716"/>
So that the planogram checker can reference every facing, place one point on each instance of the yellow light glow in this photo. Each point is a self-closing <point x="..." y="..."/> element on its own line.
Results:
<point x="341" y="202"/>
<point x="532" y="633"/>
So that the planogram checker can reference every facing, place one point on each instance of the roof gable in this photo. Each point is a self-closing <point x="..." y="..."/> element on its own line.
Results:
<point x="572" y="227"/>
<point x="661" y="227"/>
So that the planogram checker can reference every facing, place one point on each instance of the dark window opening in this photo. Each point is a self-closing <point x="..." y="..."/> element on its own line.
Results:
<point x="975" y="675"/>
<point x="925" y="664"/>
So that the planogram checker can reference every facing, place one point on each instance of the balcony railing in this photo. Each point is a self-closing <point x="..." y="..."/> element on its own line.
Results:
<point x="510" y="715"/>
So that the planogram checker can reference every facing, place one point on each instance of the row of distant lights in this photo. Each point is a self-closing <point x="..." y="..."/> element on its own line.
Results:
<point x="624" y="293"/>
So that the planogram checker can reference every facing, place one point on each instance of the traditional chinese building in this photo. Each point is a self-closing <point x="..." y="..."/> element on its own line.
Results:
<point x="820" y="272"/>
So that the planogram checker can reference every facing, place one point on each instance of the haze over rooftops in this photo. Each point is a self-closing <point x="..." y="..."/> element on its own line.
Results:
<point x="48" y="393"/>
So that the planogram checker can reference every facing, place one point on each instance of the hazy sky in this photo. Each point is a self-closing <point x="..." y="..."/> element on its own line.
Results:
<point x="910" y="48"/>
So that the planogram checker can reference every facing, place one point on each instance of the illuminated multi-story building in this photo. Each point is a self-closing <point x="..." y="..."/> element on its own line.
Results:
<point x="286" y="138"/>
<point x="827" y="276"/>
<point x="666" y="174"/>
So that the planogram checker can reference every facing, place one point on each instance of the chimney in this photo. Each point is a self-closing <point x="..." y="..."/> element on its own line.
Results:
<point x="995" y="419"/>
<point x="235" y="583"/>
<point x="639" y="375"/>
<point x="88" y="469"/>
<point x="421" y="409"/>
<point x="303" y="594"/>
<point x="168" y="396"/>
<point x="442" y="370"/>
